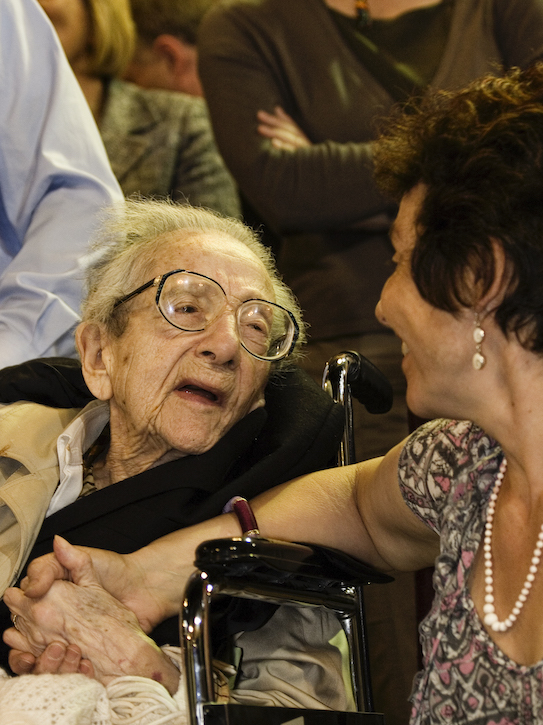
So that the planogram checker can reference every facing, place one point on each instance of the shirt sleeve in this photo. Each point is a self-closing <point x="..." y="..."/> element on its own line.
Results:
<point x="430" y="466"/>
<point x="54" y="178"/>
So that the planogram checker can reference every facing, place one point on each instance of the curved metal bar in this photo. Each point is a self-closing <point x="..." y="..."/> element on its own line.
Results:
<point x="338" y="371"/>
<point x="335" y="382"/>
<point x="196" y="645"/>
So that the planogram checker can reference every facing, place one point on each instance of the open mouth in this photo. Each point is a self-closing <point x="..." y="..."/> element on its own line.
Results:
<point x="195" y="390"/>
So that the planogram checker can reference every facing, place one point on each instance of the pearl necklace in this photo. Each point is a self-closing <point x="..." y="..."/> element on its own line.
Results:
<point x="491" y="618"/>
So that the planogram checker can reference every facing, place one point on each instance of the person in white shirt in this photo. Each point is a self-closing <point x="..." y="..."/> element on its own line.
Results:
<point x="54" y="179"/>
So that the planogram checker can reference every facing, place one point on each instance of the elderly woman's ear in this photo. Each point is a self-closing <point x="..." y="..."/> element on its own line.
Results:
<point x="91" y="338"/>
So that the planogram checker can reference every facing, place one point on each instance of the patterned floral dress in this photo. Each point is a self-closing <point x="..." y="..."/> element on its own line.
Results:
<point x="447" y="471"/>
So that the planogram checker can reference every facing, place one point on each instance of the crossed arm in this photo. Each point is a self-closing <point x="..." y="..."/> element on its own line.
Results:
<point x="358" y="509"/>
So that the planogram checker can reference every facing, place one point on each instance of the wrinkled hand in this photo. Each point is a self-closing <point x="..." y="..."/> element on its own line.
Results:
<point x="120" y="575"/>
<point x="106" y="632"/>
<point x="283" y="131"/>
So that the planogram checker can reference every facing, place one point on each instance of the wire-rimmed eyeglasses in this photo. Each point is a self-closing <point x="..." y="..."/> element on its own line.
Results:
<point x="191" y="302"/>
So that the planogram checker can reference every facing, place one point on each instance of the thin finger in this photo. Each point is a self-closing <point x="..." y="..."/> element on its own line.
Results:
<point x="86" y="668"/>
<point x="52" y="659"/>
<point x="283" y="114"/>
<point x="282" y="145"/>
<point x="270" y="120"/>
<point x="41" y="574"/>
<point x="286" y="136"/>
<point x="72" y="660"/>
<point x="14" y="598"/>
<point x="16" y="640"/>
<point x="267" y="131"/>
<point x="22" y="663"/>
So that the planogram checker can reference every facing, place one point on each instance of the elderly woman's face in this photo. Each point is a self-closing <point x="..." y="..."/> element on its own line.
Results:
<point x="180" y="390"/>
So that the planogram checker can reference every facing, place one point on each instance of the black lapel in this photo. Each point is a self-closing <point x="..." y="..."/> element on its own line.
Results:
<point x="204" y="473"/>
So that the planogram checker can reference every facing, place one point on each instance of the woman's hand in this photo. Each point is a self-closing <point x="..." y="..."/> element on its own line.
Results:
<point x="282" y="130"/>
<point x="106" y="632"/>
<point x="151" y="581"/>
<point x="120" y="575"/>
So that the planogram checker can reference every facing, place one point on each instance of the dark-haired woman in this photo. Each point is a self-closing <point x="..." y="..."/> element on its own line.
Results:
<point x="336" y="71"/>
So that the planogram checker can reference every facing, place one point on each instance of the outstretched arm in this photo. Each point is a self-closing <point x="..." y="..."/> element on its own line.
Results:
<point x="358" y="509"/>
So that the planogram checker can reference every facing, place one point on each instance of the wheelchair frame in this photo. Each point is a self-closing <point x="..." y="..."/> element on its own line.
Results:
<point x="293" y="574"/>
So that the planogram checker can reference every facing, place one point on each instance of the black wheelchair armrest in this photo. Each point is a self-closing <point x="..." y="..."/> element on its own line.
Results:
<point x="297" y="565"/>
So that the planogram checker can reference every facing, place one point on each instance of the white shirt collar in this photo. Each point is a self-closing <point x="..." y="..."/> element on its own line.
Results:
<point x="71" y="445"/>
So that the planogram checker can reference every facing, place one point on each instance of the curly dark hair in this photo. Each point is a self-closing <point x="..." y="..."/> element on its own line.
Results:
<point x="479" y="151"/>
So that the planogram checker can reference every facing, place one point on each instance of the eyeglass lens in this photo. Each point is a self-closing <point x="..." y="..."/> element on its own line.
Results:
<point x="191" y="302"/>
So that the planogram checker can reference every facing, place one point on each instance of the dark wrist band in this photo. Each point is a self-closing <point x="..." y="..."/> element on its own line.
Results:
<point x="244" y="513"/>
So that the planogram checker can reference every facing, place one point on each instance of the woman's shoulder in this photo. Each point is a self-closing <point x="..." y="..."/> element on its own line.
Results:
<point x="268" y="21"/>
<point x="444" y="461"/>
<point x="453" y="440"/>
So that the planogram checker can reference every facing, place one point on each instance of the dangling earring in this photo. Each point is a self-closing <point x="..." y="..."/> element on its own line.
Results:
<point x="363" y="17"/>
<point x="478" y="360"/>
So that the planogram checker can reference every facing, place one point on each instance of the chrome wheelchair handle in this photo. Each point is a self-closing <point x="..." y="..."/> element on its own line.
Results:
<point x="351" y="374"/>
<point x="368" y="384"/>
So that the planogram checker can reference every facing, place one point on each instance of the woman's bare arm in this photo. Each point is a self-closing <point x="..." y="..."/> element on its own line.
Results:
<point x="358" y="509"/>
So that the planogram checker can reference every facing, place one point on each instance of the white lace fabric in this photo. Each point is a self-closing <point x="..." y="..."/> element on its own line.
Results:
<point x="77" y="700"/>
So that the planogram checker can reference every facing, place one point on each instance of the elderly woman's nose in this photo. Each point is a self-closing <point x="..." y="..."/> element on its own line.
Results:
<point x="221" y="340"/>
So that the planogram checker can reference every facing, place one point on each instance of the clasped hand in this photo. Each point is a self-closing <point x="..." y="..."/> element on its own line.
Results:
<point x="77" y="626"/>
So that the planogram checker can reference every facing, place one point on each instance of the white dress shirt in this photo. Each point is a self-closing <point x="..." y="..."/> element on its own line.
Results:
<point x="54" y="178"/>
<point x="71" y="445"/>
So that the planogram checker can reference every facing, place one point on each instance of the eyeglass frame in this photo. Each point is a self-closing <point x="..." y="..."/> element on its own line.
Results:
<point x="160" y="280"/>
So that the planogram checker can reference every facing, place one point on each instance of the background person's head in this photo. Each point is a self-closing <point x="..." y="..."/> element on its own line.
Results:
<point x="479" y="154"/>
<point x="173" y="391"/>
<point x="166" y="55"/>
<point x="98" y="36"/>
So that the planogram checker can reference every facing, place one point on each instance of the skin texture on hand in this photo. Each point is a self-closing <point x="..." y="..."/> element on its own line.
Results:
<point x="56" y="658"/>
<point x="150" y="581"/>
<point x="105" y="632"/>
<point x="120" y="575"/>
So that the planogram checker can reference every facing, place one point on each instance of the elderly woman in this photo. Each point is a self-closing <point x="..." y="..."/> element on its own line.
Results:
<point x="466" y="299"/>
<point x="159" y="142"/>
<point x="184" y="322"/>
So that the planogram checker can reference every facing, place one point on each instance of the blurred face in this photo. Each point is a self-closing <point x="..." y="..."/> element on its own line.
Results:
<point x="437" y="346"/>
<point x="177" y="390"/>
<point x="71" y="20"/>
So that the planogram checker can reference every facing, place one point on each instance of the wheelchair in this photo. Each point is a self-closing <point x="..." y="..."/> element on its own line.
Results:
<point x="293" y="574"/>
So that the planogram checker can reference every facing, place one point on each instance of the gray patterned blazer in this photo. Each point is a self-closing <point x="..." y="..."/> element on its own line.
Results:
<point x="160" y="143"/>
